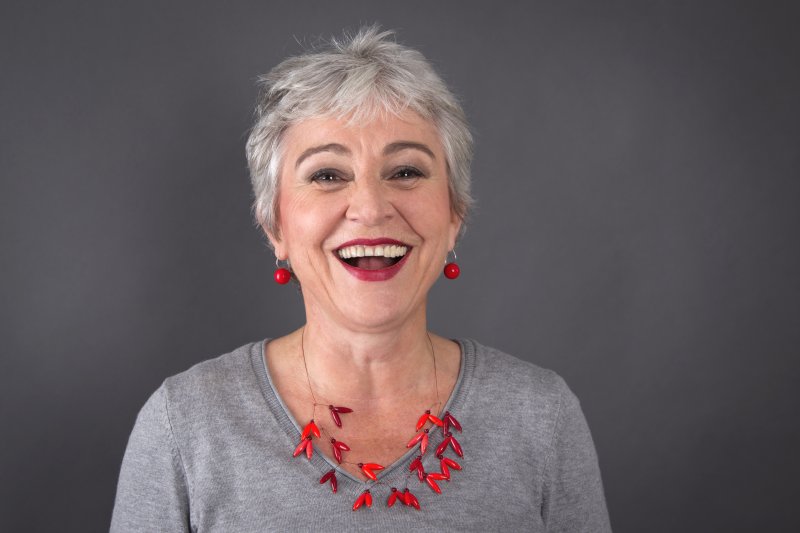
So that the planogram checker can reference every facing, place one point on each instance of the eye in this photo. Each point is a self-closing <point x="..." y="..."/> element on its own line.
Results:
<point x="407" y="173"/>
<point x="326" y="176"/>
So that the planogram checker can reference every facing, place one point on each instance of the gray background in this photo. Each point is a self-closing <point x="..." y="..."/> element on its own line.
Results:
<point x="637" y="178"/>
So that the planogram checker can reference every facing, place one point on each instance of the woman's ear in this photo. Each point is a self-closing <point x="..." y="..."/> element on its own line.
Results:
<point x="277" y="246"/>
<point x="455" y="229"/>
<point x="277" y="243"/>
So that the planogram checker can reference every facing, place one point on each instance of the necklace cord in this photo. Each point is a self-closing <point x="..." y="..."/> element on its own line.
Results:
<point x="311" y="389"/>
<point x="435" y="372"/>
<point x="323" y="429"/>
<point x="305" y="365"/>
<point x="416" y="467"/>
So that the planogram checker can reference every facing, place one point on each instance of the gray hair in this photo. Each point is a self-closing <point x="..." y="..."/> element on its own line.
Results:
<point x="359" y="77"/>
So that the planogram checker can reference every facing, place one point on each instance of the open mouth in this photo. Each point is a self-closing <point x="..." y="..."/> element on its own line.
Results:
<point x="376" y="257"/>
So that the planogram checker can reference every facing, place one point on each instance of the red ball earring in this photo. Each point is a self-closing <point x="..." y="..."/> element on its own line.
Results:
<point x="451" y="270"/>
<point x="282" y="275"/>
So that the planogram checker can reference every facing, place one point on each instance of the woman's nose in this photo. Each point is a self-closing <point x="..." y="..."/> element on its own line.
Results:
<point x="369" y="202"/>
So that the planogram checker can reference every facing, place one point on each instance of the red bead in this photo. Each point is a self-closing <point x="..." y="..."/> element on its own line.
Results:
<point x="309" y="448"/>
<point x="310" y="428"/>
<point x="304" y="443"/>
<point x="415" y="440"/>
<point x="456" y="446"/>
<point x="445" y="464"/>
<point x="392" y="497"/>
<point x="335" y="413"/>
<point x="414" y="501"/>
<point x="365" y="497"/>
<point x="430" y="480"/>
<point x="337" y="454"/>
<point x="416" y="464"/>
<point x="451" y="271"/>
<point x="452" y="421"/>
<point x="451" y="464"/>
<point x="442" y="446"/>
<point x="368" y="468"/>
<point x="435" y="420"/>
<point x="410" y="499"/>
<point x="422" y="420"/>
<point x="330" y="476"/>
<point x="282" y="276"/>
<point x="338" y="448"/>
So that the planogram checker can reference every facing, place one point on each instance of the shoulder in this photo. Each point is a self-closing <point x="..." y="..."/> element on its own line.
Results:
<point x="515" y="379"/>
<point x="216" y="371"/>
<point x="165" y="451"/>
<point x="538" y="399"/>
<point x="212" y="385"/>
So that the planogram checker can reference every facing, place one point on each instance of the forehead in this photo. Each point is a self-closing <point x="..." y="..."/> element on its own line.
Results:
<point x="367" y="136"/>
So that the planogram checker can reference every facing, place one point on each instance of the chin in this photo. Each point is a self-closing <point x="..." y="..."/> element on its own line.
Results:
<point x="370" y="317"/>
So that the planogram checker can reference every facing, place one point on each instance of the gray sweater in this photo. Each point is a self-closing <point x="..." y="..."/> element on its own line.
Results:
<point x="212" y="451"/>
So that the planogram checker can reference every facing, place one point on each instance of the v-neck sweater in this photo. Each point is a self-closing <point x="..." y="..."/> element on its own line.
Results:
<point x="211" y="450"/>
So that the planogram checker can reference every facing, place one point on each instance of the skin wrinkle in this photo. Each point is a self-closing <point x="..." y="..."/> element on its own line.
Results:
<point x="331" y="147"/>
<point x="425" y="383"/>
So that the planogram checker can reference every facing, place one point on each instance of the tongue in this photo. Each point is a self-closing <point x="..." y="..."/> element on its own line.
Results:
<point x="373" y="263"/>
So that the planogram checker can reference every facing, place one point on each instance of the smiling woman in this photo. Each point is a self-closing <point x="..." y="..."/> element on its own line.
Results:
<point x="354" y="190"/>
<point x="360" y="166"/>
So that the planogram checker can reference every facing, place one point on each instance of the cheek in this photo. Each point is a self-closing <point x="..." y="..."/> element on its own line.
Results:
<point x="306" y="219"/>
<point x="435" y="231"/>
<point x="432" y="213"/>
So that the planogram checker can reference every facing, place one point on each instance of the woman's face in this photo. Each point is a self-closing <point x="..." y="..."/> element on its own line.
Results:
<point x="365" y="217"/>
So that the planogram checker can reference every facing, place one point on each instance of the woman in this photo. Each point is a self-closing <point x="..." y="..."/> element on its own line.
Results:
<point x="360" y="165"/>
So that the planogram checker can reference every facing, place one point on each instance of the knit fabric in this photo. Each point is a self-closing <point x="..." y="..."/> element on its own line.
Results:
<point x="211" y="450"/>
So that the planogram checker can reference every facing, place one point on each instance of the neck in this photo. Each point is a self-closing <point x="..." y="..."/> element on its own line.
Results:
<point x="354" y="366"/>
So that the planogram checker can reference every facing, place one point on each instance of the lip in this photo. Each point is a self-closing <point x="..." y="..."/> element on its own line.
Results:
<point x="382" y="274"/>
<point x="371" y="242"/>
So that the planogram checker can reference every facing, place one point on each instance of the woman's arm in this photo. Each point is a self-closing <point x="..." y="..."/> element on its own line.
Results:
<point x="152" y="493"/>
<point x="573" y="490"/>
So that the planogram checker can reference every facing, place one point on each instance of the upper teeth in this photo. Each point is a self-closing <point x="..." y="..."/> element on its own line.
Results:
<point x="372" y="251"/>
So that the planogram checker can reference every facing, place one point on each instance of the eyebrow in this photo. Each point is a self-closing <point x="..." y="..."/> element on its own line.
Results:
<point x="332" y="147"/>
<point x="407" y="145"/>
<point x="392" y="148"/>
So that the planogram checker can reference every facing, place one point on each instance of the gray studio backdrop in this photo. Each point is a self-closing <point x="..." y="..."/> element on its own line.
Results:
<point x="636" y="230"/>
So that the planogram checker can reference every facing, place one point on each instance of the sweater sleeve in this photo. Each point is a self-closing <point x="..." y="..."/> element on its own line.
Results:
<point x="152" y="492"/>
<point x="573" y="499"/>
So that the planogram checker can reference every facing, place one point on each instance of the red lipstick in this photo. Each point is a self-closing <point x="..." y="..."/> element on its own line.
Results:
<point x="371" y="242"/>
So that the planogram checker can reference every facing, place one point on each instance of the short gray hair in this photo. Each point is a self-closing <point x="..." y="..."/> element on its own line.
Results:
<point x="358" y="76"/>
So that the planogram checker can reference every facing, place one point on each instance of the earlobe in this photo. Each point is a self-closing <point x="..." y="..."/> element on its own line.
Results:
<point x="455" y="230"/>
<point x="277" y="245"/>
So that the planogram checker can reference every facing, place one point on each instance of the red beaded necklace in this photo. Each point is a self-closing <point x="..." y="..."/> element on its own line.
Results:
<point x="425" y="423"/>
